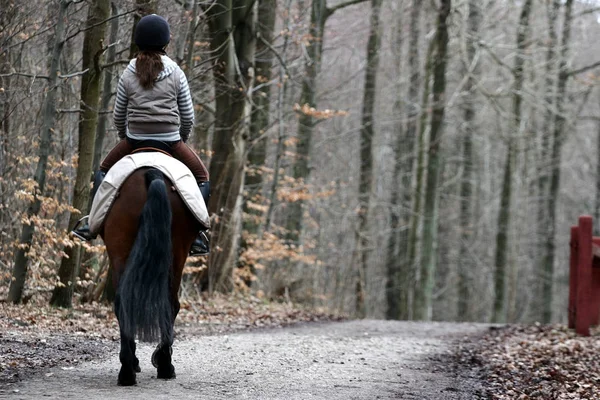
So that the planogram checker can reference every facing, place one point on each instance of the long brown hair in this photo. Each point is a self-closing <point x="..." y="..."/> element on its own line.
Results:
<point x="147" y="67"/>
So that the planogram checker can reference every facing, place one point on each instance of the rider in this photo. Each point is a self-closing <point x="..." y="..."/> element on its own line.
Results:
<point x="154" y="109"/>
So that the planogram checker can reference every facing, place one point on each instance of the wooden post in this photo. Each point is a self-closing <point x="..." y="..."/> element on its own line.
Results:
<point x="573" y="258"/>
<point x="584" y="277"/>
<point x="595" y="305"/>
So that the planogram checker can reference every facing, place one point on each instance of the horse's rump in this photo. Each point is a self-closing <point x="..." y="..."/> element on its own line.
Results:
<point x="141" y="248"/>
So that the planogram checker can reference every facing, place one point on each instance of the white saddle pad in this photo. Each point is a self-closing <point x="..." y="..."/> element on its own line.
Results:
<point x="175" y="170"/>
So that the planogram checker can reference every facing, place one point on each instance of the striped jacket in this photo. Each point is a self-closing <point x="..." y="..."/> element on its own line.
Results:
<point x="163" y="113"/>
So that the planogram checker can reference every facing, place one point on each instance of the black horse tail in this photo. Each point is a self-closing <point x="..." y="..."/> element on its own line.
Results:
<point x="142" y="303"/>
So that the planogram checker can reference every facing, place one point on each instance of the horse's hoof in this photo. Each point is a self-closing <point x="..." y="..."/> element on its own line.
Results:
<point x="166" y="373"/>
<point x="126" y="378"/>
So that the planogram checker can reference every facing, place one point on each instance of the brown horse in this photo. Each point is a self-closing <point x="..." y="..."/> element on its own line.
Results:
<point x="148" y="234"/>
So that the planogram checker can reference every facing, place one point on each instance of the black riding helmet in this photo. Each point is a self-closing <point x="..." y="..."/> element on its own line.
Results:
<point x="152" y="33"/>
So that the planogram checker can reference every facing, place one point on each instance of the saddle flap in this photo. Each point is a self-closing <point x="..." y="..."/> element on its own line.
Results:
<point x="175" y="170"/>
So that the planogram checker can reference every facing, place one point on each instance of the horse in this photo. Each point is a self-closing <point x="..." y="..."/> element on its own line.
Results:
<point x="148" y="234"/>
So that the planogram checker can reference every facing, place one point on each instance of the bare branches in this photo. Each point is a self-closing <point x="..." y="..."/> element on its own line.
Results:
<point x="583" y="69"/>
<point x="71" y="36"/>
<point x="330" y="10"/>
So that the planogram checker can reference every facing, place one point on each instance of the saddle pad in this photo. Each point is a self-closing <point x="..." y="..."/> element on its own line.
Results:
<point x="175" y="170"/>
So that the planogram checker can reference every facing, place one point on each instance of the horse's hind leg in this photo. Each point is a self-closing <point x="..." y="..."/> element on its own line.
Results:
<point x="161" y="358"/>
<point x="136" y="362"/>
<point x="129" y="362"/>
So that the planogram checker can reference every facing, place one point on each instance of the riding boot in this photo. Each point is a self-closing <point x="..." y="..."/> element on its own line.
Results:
<point x="200" y="247"/>
<point x="83" y="232"/>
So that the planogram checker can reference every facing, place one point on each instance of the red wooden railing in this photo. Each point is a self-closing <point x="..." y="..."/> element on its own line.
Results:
<point x="584" y="277"/>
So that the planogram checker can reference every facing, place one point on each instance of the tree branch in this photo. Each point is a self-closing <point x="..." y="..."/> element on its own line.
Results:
<point x="588" y="11"/>
<point x="87" y="28"/>
<point x="330" y="10"/>
<point x="583" y="69"/>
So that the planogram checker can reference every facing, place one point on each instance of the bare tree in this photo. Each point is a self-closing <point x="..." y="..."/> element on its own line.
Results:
<point x="49" y="113"/>
<point x="424" y="292"/>
<point x="93" y="42"/>
<point x="499" y="311"/>
<point x="473" y="71"/>
<point x="233" y="45"/>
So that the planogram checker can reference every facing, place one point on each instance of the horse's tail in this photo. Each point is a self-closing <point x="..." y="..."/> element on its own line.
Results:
<point x="142" y="304"/>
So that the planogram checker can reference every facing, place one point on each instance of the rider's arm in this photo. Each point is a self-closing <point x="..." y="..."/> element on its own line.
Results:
<point x="120" y="111"/>
<point x="186" y="108"/>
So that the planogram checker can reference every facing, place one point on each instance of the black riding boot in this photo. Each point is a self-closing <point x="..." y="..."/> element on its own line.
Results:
<point x="83" y="232"/>
<point x="200" y="247"/>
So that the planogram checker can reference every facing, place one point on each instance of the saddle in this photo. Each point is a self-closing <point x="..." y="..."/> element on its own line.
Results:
<point x="143" y="157"/>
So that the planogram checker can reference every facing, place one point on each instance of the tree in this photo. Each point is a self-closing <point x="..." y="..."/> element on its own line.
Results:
<point x="261" y="99"/>
<point x="301" y="169"/>
<point x="93" y="43"/>
<point x="366" y="150"/>
<point x="499" y="311"/>
<point x="49" y="113"/>
<point x="424" y="292"/>
<point x="558" y="139"/>
<point x="231" y="25"/>
<point x="473" y="71"/>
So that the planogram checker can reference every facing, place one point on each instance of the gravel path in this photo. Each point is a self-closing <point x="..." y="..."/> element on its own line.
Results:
<point x="349" y="360"/>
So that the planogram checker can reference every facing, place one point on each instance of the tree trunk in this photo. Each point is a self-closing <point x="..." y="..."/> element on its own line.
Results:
<point x="366" y="150"/>
<point x="49" y="113"/>
<point x="399" y="300"/>
<point x="106" y="89"/>
<point x="395" y="288"/>
<point x="499" y="311"/>
<point x="267" y="13"/>
<point x="415" y="220"/>
<point x="281" y="91"/>
<point x="301" y="170"/>
<point x="90" y="87"/>
<point x="465" y="266"/>
<point x="143" y="8"/>
<point x="424" y="293"/>
<point x="232" y="38"/>
<point x="544" y="159"/>
<point x="558" y="137"/>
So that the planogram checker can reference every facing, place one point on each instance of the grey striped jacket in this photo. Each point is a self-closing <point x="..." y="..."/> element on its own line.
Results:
<point x="163" y="113"/>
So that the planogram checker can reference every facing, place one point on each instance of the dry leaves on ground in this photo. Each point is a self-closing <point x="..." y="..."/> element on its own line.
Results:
<point x="537" y="362"/>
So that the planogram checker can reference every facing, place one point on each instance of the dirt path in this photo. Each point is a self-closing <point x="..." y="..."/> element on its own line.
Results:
<point x="348" y="360"/>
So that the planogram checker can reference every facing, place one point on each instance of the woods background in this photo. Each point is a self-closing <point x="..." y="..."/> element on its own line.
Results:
<point x="388" y="158"/>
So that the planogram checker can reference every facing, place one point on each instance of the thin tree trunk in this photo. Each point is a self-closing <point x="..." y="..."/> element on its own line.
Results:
<point x="186" y="16"/>
<point x="90" y="87"/>
<point x="282" y="87"/>
<point x="558" y="138"/>
<point x="143" y="8"/>
<point x="301" y="170"/>
<point x="267" y="13"/>
<point x="106" y="88"/>
<point x="415" y="220"/>
<point x="504" y="215"/>
<point x="366" y="151"/>
<point x="424" y="294"/>
<point x="49" y="113"/>
<point x="465" y="266"/>
<point x="395" y="288"/>
<point x="544" y="158"/>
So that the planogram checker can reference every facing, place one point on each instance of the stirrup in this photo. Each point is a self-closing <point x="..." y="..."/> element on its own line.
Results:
<point x="79" y="235"/>
<point x="201" y="246"/>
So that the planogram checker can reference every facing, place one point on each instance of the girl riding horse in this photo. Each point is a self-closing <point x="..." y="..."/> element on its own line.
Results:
<point x="154" y="109"/>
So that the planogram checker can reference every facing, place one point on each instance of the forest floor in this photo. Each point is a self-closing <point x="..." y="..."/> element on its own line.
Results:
<point x="535" y="362"/>
<point x="42" y="345"/>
